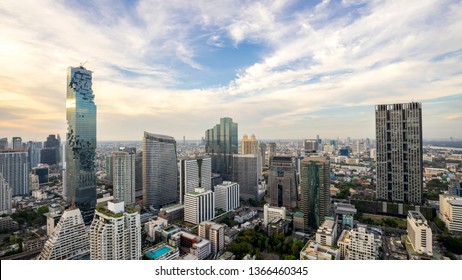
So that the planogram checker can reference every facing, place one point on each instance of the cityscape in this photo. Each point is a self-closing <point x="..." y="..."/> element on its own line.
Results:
<point x="372" y="179"/>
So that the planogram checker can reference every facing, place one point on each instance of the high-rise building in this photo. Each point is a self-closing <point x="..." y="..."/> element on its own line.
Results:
<point x="51" y="152"/>
<point x="34" y="149"/>
<point x="272" y="213"/>
<point x="245" y="172"/>
<point x="115" y="233"/>
<point x="271" y="151"/>
<point x="314" y="191"/>
<point x="139" y="172"/>
<point x="419" y="233"/>
<point x="3" y="144"/>
<point x="282" y="182"/>
<point x="14" y="165"/>
<point x="455" y="188"/>
<point x="124" y="176"/>
<point x="362" y="244"/>
<point x="160" y="170"/>
<point x="109" y="168"/>
<point x="311" y="146"/>
<point x="399" y="152"/>
<point x="199" y="206"/>
<point x="195" y="173"/>
<point x="80" y="170"/>
<point x="249" y="146"/>
<point x="215" y="233"/>
<point x="262" y="148"/>
<point x="5" y="196"/>
<point x="227" y="196"/>
<point x="69" y="240"/>
<point x="451" y="212"/>
<point x="17" y="143"/>
<point x="221" y="144"/>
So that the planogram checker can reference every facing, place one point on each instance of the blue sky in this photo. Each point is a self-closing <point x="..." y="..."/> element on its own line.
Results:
<point x="281" y="69"/>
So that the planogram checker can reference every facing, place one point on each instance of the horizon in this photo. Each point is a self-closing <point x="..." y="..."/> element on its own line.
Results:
<point x="284" y="69"/>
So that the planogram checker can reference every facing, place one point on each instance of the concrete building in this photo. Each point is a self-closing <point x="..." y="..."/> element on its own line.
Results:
<point x="399" y="152"/>
<point x="215" y="233"/>
<point x="272" y="213"/>
<point x="451" y="212"/>
<point x="419" y="233"/>
<point x="316" y="251"/>
<point x="195" y="173"/>
<point x="14" y="165"/>
<point x="455" y="187"/>
<point x="199" y="206"/>
<point x="160" y="171"/>
<point x="17" y="143"/>
<point x="5" y="196"/>
<point x="34" y="149"/>
<point x="327" y="233"/>
<point x="69" y="240"/>
<point x="221" y="144"/>
<point x="311" y="146"/>
<point x="3" y="144"/>
<point x="282" y="182"/>
<point x="344" y="244"/>
<point x="52" y="221"/>
<point x="227" y="196"/>
<point x="172" y="212"/>
<point x="192" y="244"/>
<point x="123" y="176"/>
<point x="154" y="228"/>
<point x="246" y="173"/>
<point x="115" y="233"/>
<point x="249" y="146"/>
<point x="271" y="151"/>
<point x="363" y="244"/>
<point x="314" y="191"/>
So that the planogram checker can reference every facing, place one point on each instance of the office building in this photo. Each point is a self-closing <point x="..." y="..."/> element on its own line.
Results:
<point x="215" y="233"/>
<point x="271" y="151"/>
<point x="195" y="173"/>
<point x="419" y="233"/>
<point x="80" y="145"/>
<point x="68" y="241"/>
<point x="227" y="196"/>
<point x="17" y="143"/>
<point x="455" y="188"/>
<point x="139" y="172"/>
<point x="50" y="154"/>
<point x="451" y="212"/>
<point x="221" y="144"/>
<point x="109" y="168"/>
<point x="115" y="233"/>
<point x="311" y="146"/>
<point x="5" y="196"/>
<point x="282" y="182"/>
<point x="272" y="214"/>
<point x="42" y="173"/>
<point x="245" y="172"/>
<point x="14" y="165"/>
<point x="34" y="149"/>
<point x="314" y="191"/>
<point x="199" y="206"/>
<point x="3" y="144"/>
<point x="124" y="176"/>
<point x="262" y="147"/>
<point x="399" y="152"/>
<point x="249" y="146"/>
<point x="160" y="171"/>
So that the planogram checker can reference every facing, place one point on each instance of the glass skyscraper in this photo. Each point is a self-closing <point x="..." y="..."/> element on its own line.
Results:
<point x="221" y="144"/>
<point x="80" y="174"/>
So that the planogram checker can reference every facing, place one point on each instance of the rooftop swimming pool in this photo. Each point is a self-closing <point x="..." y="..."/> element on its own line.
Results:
<point x="155" y="254"/>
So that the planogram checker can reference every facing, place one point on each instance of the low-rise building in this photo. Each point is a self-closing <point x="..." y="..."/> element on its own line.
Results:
<point x="451" y="212"/>
<point x="154" y="228"/>
<point x="327" y="233"/>
<point x="419" y="233"/>
<point x="315" y="251"/>
<point x="272" y="213"/>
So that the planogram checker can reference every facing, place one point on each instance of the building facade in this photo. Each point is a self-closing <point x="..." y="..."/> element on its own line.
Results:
<point x="282" y="182"/>
<point x="215" y="233"/>
<point x="221" y="143"/>
<point x="451" y="212"/>
<point x="195" y="173"/>
<point x="245" y="172"/>
<point x="80" y="146"/>
<point x="399" y="152"/>
<point x="199" y="206"/>
<point x="227" y="196"/>
<point x="272" y="213"/>
<point x="363" y="245"/>
<point x="124" y="176"/>
<point x="160" y="171"/>
<point x="419" y="233"/>
<point x="314" y="191"/>
<point x="115" y="233"/>
<point x="5" y="196"/>
<point x="14" y="165"/>
<point x="69" y="240"/>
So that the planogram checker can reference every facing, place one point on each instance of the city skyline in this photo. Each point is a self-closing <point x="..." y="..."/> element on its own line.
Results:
<point x="281" y="69"/>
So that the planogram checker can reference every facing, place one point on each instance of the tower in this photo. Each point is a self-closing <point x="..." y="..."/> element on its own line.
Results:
<point x="399" y="152"/>
<point x="80" y="142"/>
<point x="195" y="173"/>
<point x="124" y="176"/>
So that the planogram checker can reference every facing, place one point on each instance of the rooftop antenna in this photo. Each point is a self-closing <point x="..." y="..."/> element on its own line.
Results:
<point x="83" y="63"/>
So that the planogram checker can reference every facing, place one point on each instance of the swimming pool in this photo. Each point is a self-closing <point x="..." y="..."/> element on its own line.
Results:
<point x="157" y="253"/>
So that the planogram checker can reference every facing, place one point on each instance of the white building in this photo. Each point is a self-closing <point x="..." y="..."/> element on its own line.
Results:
<point x="69" y="240"/>
<point x="451" y="212"/>
<point x="33" y="182"/>
<point x="327" y="233"/>
<point x="197" y="246"/>
<point x="215" y="233"/>
<point x="123" y="176"/>
<point x="201" y="250"/>
<point x="272" y="213"/>
<point x="227" y="196"/>
<point x="195" y="173"/>
<point x="315" y="251"/>
<point x="363" y="245"/>
<point x="344" y="244"/>
<point x="419" y="233"/>
<point x="5" y="196"/>
<point x="115" y="233"/>
<point x="154" y="227"/>
<point x="199" y="206"/>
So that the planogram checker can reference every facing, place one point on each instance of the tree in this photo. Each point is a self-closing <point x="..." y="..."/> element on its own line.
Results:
<point x="42" y="210"/>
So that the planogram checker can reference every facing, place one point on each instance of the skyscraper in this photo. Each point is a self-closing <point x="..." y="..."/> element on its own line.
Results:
<point x="80" y="142"/>
<point x="160" y="170"/>
<point x="5" y="196"/>
<point x="14" y="165"/>
<point x="314" y="191"/>
<point x="34" y="149"/>
<point x="311" y="146"/>
<point x="227" y="196"/>
<point x="282" y="182"/>
<point x="399" y="152"/>
<point x="249" y="146"/>
<point x="271" y="151"/>
<point x="199" y="206"/>
<point x="68" y="241"/>
<point x="3" y="144"/>
<point x="195" y="173"/>
<point x="17" y="143"/>
<point x="124" y="176"/>
<point x="115" y="233"/>
<point x="51" y="152"/>
<point x="245" y="172"/>
<point x="221" y="144"/>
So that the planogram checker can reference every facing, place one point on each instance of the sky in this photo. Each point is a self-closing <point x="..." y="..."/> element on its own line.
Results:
<point x="282" y="69"/>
